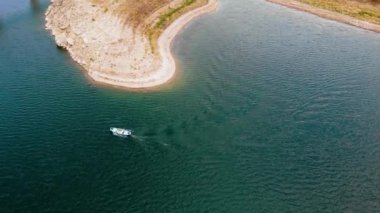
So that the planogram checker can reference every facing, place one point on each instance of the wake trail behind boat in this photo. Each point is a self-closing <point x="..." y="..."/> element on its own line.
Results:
<point x="139" y="138"/>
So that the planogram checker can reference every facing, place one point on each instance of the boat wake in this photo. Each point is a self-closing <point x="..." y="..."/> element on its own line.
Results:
<point x="136" y="137"/>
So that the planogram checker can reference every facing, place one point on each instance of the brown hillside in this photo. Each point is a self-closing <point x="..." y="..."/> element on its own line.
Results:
<point x="134" y="11"/>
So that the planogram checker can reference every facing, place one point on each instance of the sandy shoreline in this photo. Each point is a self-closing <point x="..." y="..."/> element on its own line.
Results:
<point x="168" y="66"/>
<point x="328" y="14"/>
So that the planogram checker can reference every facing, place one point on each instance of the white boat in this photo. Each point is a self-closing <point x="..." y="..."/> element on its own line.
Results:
<point x="121" y="132"/>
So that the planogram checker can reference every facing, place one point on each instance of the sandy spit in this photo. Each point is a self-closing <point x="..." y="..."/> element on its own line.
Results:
<point x="168" y="66"/>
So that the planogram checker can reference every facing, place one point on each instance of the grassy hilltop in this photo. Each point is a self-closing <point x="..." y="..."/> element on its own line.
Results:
<point x="136" y="13"/>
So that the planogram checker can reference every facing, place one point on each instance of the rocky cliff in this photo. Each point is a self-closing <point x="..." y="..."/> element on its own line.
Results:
<point x="110" y="40"/>
<point x="100" y="40"/>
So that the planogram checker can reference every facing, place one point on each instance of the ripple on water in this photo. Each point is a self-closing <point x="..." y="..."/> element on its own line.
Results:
<point x="268" y="117"/>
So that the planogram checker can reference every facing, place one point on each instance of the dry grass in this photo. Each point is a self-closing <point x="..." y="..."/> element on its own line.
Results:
<point x="367" y="10"/>
<point x="168" y="17"/>
<point x="136" y="12"/>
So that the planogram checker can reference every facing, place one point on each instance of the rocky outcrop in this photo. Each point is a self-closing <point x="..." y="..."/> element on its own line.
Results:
<point x="99" y="40"/>
<point x="108" y="48"/>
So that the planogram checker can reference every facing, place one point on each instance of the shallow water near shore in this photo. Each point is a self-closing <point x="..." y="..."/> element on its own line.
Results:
<point x="275" y="110"/>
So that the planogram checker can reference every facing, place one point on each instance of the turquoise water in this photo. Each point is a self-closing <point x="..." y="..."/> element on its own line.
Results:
<point x="274" y="111"/>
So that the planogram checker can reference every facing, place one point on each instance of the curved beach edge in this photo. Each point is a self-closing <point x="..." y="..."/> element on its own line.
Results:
<point x="167" y="69"/>
<point x="328" y="14"/>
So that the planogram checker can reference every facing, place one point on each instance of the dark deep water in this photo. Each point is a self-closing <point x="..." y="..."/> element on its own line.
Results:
<point x="275" y="111"/>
